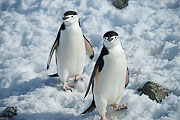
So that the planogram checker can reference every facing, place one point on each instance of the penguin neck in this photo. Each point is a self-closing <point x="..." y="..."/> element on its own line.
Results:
<point x="116" y="45"/>
<point x="74" y="25"/>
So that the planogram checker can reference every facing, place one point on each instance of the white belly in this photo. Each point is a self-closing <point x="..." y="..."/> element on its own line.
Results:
<point x="71" y="53"/>
<point x="110" y="83"/>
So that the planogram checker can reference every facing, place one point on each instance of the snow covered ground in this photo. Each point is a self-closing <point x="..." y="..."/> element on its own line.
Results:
<point x="149" y="31"/>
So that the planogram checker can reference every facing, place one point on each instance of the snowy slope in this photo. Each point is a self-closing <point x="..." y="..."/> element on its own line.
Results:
<point x="149" y="31"/>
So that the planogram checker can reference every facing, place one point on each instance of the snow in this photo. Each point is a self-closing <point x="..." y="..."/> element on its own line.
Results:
<point x="149" y="31"/>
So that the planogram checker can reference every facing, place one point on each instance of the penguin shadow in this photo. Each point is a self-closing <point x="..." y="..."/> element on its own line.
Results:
<point x="111" y="114"/>
<point x="52" y="82"/>
<point x="28" y="86"/>
<point x="91" y="116"/>
<point x="58" y="116"/>
<point x="57" y="83"/>
<point x="46" y="116"/>
<point x="76" y="85"/>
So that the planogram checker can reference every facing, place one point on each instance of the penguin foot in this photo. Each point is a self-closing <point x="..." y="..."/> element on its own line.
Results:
<point x="77" y="78"/>
<point x="103" y="117"/>
<point x="66" y="87"/>
<point x="117" y="107"/>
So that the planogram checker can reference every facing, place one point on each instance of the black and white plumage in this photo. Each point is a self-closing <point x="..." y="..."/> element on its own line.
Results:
<point x="110" y="75"/>
<point x="70" y="46"/>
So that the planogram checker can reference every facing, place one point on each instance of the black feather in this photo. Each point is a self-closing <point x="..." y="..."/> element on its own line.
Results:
<point x="54" y="75"/>
<point x="70" y="13"/>
<point x="99" y="64"/>
<point x="90" y="108"/>
<point x="128" y="77"/>
<point x="55" y="45"/>
<point x="110" y="34"/>
<point x="62" y="26"/>
<point x="100" y="60"/>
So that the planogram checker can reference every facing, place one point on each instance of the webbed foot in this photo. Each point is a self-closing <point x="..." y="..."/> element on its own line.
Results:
<point x="66" y="86"/>
<point x="117" y="107"/>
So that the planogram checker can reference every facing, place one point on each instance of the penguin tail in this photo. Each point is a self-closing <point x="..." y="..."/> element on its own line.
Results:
<point x="90" y="108"/>
<point x="54" y="75"/>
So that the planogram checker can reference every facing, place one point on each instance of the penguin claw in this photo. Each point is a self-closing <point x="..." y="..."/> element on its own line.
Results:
<point x="69" y="89"/>
<point x="122" y="107"/>
<point x="78" y="79"/>
<point x="66" y="87"/>
<point x="117" y="108"/>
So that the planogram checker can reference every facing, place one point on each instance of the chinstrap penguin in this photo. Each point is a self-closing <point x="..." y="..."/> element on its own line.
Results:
<point x="109" y="77"/>
<point x="70" y="49"/>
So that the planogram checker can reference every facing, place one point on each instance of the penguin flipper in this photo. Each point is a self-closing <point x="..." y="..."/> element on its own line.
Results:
<point x="127" y="78"/>
<point x="54" y="75"/>
<point x="97" y="68"/>
<point x="51" y="53"/>
<point x="91" y="81"/>
<point x="90" y="108"/>
<point x="55" y="45"/>
<point x="89" y="48"/>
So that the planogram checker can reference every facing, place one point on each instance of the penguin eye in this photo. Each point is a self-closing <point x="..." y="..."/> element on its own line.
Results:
<point x="72" y="16"/>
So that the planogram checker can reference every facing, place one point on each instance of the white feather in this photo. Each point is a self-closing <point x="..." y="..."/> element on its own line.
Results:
<point x="71" y="52"/>
<point x="110" y="82"/>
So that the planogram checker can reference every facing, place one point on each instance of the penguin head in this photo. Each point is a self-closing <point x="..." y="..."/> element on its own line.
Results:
<point x="110" y="39"/>
<point x="70" y="17"/>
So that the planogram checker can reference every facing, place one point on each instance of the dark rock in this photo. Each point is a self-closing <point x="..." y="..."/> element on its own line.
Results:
<point x="120" y="3"/>
<point x="154" y="91"/>
<point x="9" y="112"/>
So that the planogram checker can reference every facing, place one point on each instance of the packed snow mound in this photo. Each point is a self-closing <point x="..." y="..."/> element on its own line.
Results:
<point x="150" y="34"/>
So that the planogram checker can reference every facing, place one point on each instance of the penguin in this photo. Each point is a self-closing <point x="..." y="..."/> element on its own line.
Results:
<point x="109" y="77"/>
<point x="70" y="49"/>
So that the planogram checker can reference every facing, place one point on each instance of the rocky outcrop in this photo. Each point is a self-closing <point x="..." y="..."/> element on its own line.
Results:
<point x="120" y="3"/>
<point x="9" y="112"/>
<point x="154" y="91"/>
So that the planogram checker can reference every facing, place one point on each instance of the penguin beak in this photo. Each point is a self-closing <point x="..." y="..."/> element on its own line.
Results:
<point x="64" y="18"/>
<point x="110" y="39"/>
